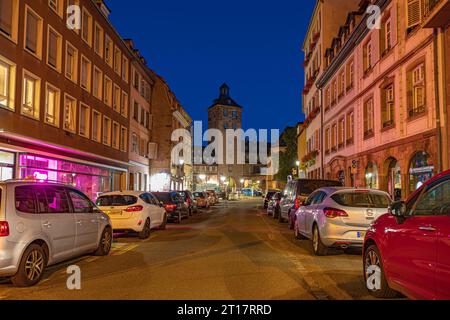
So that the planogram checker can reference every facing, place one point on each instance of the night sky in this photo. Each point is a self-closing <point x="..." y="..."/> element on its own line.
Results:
<point x="253" y="46"/>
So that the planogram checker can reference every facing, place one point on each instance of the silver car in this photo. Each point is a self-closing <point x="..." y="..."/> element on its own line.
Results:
<point x="339" y="217"/>
<point x="46" y="223"/>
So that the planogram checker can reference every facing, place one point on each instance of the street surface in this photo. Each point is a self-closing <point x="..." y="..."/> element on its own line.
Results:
<point x="233" y="251"/>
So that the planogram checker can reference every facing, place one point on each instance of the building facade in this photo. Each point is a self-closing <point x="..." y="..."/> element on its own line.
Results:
<point x="63" y="95"/>
<point x="381" y="125"/>
<point x="326" y="18"/>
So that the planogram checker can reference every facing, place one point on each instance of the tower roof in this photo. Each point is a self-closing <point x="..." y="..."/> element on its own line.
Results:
<point x="224" y="98"/>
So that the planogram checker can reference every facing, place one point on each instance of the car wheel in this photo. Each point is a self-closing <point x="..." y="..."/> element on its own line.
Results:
<point x="372" y="258"/>
<point x="319" y="248"/>
<point x="190" y="213"/>
<point x="280" y="217"/>
<point x="291" y="221"/>
<point x="105" y="243"/>
<point x="163" y="225"/>
<point x="31" y="267"/>
<point x="145" y="233"/>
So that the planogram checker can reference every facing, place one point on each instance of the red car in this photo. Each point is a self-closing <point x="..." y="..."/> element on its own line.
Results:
<point x="408" y="249"/>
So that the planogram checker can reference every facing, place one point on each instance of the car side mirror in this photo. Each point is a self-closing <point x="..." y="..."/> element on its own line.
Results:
<point x="398" y="210"/>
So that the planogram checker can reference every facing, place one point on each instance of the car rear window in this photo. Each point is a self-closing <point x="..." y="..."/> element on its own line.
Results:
<point x="199" y="195"/>
<point x="306" y="187"/>
<point x="362" y="200"/>
<point x="116" y="200"/>
<point x="166" y="197"/>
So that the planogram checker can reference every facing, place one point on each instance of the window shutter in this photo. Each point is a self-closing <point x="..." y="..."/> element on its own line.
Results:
<point x="414" y="13"/>
<point x="6" y="16"/>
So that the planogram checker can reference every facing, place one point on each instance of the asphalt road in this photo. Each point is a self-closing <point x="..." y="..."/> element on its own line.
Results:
<point x="233" y="251"/>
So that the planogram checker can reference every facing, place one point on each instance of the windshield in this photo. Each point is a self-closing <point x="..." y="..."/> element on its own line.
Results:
<point x="306" y="187"/>
<point x="116" y="201"/>
<point x="362" y="200"/>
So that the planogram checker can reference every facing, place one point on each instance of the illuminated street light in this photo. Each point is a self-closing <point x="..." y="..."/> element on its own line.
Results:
<point x="242" y="180"/>
<point x="223" y="179"/>
<point x="202" y="177"/>
<point x="297" y="163"/>
<point x="181" y="162"/>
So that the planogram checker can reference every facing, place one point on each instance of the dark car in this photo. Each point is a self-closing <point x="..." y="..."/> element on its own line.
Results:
<point x="174" y="204"/>
<point x="296" y="192"/>
<point x="190" y="201"/>
<point x="273" y="207"/>
<point x="268" y="197"/>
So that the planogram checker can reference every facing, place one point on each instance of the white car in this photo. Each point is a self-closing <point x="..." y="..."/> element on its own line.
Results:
<point x="336" y="217"/>
<point x="42" y="224"/>
<point x="134" y="211"/>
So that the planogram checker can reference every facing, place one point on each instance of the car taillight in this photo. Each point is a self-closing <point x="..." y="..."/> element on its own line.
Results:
<point x="334" y="213"/>
<point x="297" y="203"/>
<point x="4" y="229"/>
<point x="170" y="207"/>
<point x="134" y="209"/>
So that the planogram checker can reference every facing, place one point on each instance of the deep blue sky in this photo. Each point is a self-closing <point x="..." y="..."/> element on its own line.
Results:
<point x="253" y="46"/>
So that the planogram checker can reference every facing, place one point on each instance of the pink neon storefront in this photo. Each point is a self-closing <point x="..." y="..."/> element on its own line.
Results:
<point x="92" y="180"/>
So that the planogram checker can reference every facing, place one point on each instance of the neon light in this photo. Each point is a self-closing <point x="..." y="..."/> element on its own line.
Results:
<point x="42" y="177"/>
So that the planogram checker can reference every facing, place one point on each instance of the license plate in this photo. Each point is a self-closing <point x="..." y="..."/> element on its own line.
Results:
<point x="115" y="213"/>
<point x="361" y="234"/>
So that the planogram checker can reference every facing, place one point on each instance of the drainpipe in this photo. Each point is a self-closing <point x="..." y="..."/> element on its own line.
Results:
<point x="436" y="95"/>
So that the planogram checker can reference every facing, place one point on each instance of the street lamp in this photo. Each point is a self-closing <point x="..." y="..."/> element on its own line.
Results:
<point x="202" y="177"/>
<point x="181" y="162"/>
<point x="298" y="168"/>
<point x="223" y="179"/>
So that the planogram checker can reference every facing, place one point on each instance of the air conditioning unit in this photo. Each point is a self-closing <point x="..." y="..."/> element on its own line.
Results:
<point x="152" y="150"/>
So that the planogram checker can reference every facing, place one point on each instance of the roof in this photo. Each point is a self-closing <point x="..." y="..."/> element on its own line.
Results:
<point x="224" y="98"/>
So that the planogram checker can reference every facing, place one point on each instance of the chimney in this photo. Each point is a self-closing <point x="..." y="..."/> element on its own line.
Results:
<point x="103" y="8"/>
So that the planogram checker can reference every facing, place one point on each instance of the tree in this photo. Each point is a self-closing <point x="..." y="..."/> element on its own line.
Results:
<point x="288" y="155"/>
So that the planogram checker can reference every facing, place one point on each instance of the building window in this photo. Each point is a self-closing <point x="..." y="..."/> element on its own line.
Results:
<point x="142" y="117"/>
<point x="327" y="98"/>
<point x="123" y="139"/>
<point x="416" y="91"/>
<point x="341" y="133"/>
<point x="134" y="144"/>
<point x="30" y="95"/>
<point x="7" y="83"/>
<point x="33" y="32"/>
<point x="350" y="75"/>
<point x="142" y="147"/>
<point x="386" y="36"/>
<point x="125" y="105"/>
<point x="117" y="60"/>
<point x="86" y="27"/>
<point x="85" y="112"/>
<point x="136" y="111"/>
<point x="57" y="6"/>
<point x="109" y="51"/>
<point x="136" y="80"/>
<point x="116" y="135"/>
<point x="125" y="69"/>
<point x="117" y="105"/>
<point x="327" y="140"/>
<point x="97" y="87"/>
<point x="341" y="84"/>
<point x="70" y="114"/>
<point x="368" y="119"/>
<point x="9" y="18"/>
<point x="334" y="132"/>
<point x="334" y="93"/>
<point x="350" y="128"/>
<point x="96" y="126"/>
<point x="54" y="49"/>
<point x="149" y="120"/>
<point x="108" y="92"/>
<point x="106" y="131"/>
<point x="85" y="70"/>
<point x="367" y="56"/>
<point x="98" y="40"/>
<point x="71" y="62"/>
<point x="52" y="105"/>
<point x="387" y="105"/>
<point x="413" y="14"/>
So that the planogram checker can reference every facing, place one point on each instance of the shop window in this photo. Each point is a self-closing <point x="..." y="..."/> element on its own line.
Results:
<point x="7" y="83"/>
<point x="30" y="95"/>
<point x="372" y="176"/>
<point x="421" y="170"/>
<point x="52" y="105"/>
<point x="7" y="161"/>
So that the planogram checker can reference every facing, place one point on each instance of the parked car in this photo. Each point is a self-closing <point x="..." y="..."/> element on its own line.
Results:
<point x="410" y="246"/>
<point x="273" y="208"/>
<point x="268" y="197"/>
<point x="211" y="198"/>
<point x="296" y="192"/>
<point x="202" y="199"/>
<point x="42" y="224"/>
<point x="214" y="196"/>
<point x="176" y="208"/>
<point x="339" y="217"/>
<point x="190" y="201"/>
<point x="133" y="211"/>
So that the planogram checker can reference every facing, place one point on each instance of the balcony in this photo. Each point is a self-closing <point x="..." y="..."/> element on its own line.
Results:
<point x="436" y="13"/>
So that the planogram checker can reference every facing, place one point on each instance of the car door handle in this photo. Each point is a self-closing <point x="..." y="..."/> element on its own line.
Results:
<point x="427" y="228"/>
<point x="47" y="225"/>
